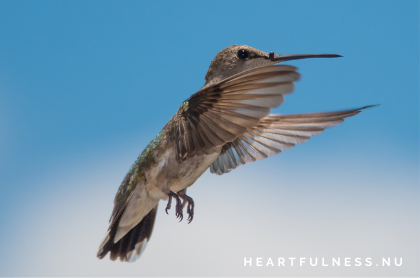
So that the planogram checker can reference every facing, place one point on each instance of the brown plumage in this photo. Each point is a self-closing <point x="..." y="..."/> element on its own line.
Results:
<point x="222" y="126"/>
<point x="273" y="134"/>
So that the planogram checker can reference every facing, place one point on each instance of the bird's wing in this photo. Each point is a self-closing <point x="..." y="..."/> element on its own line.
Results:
<point x="273" y="134"/>
<point x="218" y="114"/>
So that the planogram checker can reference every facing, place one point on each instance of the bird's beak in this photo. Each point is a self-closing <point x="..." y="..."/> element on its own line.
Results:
<point x="286" y="57"/>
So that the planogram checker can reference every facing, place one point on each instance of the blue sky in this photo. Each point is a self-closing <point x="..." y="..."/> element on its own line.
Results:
<point x="85" y="85"/>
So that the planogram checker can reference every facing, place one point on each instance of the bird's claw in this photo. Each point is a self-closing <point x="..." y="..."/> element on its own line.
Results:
<point x="187" y="201"/>
<point x="190" y="206"/>
<point x="178" y="207"/>
<point x="168" y="206"/>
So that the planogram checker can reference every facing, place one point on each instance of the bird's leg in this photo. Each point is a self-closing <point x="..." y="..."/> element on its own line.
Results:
<point x="187" y="200"/>
<point x="178" y="207"/>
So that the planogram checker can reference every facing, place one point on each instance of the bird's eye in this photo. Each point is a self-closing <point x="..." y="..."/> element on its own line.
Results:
<point x="242" y="54"/>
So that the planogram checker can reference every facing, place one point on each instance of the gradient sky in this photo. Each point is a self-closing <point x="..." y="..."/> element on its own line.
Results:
<point x="85" y="85"/>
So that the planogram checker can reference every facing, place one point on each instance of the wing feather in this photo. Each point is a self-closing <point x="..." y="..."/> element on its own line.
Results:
<point x="218" y="114"/>
<point x="273" y="134"/>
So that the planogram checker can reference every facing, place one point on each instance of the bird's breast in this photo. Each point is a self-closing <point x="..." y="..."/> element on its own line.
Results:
<point x="179" y="175"/>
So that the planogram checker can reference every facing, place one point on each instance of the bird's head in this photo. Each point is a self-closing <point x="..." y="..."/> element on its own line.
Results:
<point x="238" y="58"/>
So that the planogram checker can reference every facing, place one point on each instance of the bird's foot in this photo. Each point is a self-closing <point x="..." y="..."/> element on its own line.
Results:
<point x="178" y="207"/>
<point x="187" y="200"/>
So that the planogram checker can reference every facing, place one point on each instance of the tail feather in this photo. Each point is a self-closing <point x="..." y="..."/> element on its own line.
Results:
<point x="130" y="246"/>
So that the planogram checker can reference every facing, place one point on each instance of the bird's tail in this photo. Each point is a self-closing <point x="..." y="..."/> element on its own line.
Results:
<point x="131" y="245"/>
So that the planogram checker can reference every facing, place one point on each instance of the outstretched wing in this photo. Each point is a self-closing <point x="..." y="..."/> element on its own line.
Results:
<point x="274" y="134"/>
<point x="218" y="114"/>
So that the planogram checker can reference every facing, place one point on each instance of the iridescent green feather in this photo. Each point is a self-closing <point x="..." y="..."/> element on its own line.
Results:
<point x="137" y="171"/>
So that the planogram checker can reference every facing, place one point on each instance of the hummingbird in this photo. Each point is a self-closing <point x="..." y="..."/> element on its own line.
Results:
<point x="225" y="124"/>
